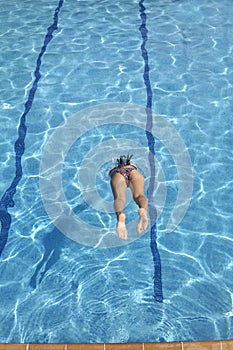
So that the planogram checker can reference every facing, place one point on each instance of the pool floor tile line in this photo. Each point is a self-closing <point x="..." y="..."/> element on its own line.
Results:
<point x="85" y="347"/>
<point x="124" y="346"/>
<point x="13" y="347"/>
<point x="163" y="346"/>
<point x="47" y="347"/>
<point x="202" y="345"/>
<point x="226" y="345"/>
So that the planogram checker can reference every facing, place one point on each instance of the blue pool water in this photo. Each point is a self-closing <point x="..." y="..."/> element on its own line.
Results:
<point x="96" y="66"/>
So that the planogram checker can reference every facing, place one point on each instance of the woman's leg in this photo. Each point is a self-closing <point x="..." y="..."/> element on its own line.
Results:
<point x="137" y="188"/>
<point x="119" y="188"/>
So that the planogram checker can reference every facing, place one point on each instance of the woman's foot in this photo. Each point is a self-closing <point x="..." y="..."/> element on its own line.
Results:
<point x="121" y="228"/>
<point x="143" y="220"/>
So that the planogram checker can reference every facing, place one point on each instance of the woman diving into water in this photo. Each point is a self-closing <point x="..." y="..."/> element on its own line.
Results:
<point x="126" y="175"/>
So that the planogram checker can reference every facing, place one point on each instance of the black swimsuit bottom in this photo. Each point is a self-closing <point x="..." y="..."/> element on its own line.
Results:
<point x="125" y="172"/>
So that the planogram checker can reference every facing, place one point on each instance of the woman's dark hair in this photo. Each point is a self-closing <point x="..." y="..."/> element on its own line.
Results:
<point x="124" y="160"/>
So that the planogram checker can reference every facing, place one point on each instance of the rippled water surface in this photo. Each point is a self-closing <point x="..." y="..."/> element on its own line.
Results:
<point x="54" y="289"/>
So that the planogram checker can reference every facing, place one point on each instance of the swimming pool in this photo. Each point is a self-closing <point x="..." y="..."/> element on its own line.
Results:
<point x="91" y="63"/>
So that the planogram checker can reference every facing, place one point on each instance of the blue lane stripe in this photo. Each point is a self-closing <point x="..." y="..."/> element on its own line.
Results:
<point x="7" y="198"/>
<point x="158" y="293"/>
